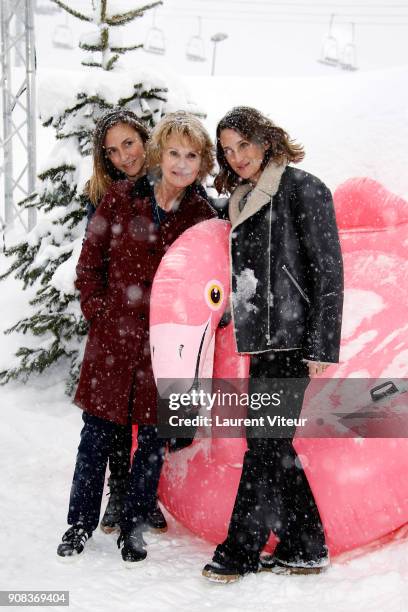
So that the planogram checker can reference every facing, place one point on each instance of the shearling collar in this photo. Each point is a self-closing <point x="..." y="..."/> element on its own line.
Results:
<point x="264" y="190"/>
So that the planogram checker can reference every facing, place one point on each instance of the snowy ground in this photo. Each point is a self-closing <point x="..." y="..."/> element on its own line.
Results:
<point x="36" y="478"/>
<point x="38" y="439"/>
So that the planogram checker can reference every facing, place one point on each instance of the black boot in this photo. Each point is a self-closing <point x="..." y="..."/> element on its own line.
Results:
<point x="217" y="572"/>
<point x="132" y="544"/>
<point x="296" y="565"/>
<point x="73" y="541"/>
<point x="111" y="517"/>
<point x="156" y="521"/>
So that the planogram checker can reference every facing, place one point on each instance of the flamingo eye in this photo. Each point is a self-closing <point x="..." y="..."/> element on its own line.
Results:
<point x="214" y="294"/>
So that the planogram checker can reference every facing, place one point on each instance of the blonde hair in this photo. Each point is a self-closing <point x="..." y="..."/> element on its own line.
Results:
<point x="185" y="126"/>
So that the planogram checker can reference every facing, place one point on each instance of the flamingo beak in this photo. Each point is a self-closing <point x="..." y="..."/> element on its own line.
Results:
<point x="178" y="354"/>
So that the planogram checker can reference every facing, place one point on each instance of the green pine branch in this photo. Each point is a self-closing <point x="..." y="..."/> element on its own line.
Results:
<point x="112" y="62"/>
<point x="34" y="360"/>
<point x="92" y="64"/>
<point x="103" y="10"/>
<point x="72" y="11"/>
<point x="90" y="47"/>
<point x="37" y="325"/>
<point x="29" y="201"/>
<point x="154" y="93"/>
<point x="76" y="215"/>
<point x="24" y="257"/>
<point x="125" y="49"/>
<point x="118" y="20"/>
<point x="52" y="173"/>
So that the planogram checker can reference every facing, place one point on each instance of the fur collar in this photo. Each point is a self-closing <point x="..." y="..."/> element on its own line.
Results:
<point x="264" y="190"/>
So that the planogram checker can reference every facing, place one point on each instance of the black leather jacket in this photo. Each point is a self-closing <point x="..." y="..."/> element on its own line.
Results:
<point x="287" y="272"/>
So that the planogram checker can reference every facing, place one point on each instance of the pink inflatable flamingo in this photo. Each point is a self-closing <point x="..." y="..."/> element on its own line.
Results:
<point x="360" y="485"/>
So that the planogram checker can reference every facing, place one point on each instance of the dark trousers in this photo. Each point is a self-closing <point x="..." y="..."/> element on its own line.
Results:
<point x="99" y="438"/>
<point x="141" y="495"/>
<point x="273" y="493"/>
<point x="119" y="456"/>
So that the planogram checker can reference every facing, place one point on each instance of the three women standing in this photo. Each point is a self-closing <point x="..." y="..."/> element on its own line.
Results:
<point x="285" y="253"/>
<point x="129" y="233"/>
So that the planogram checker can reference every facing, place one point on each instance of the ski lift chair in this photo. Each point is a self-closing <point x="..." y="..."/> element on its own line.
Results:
<point x="195" y="51"/>
<point x="330" y="51"/>
<point x="62" y="37"/>
<point x="349" y="55"/>
<point x="330" y="47"/>
<point x="155" y="42"/>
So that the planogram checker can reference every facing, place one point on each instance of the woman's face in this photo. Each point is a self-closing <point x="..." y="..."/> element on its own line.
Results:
<point x="181" y="162"/>
<point x="244" y="157"/>
<point x="125" y="149"/>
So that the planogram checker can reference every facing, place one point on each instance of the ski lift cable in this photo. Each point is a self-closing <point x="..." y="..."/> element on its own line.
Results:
<point x="269" y="19"/>
<point x="189" y="11"/>
<point x="300" y="4"/>
<point x="286" y="7"/>
<point x="252" y="16"/>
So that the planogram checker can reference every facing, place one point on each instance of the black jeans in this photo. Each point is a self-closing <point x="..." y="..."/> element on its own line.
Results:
<point x="273" y="493"/>
<point x="141" y="494"/>
<point x="119" y="456"/>
<point x="98" y="439"/>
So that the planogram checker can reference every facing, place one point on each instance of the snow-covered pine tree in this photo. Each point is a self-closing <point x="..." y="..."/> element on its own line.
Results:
<point x="45" y="260"/>
<point x="101" y="38"/>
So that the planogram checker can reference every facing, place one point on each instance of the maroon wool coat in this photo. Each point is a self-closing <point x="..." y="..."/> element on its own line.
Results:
<point x="119" y="258"/>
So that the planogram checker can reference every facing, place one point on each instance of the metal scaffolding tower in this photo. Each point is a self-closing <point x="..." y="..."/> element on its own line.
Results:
<point x="17" y="139"/>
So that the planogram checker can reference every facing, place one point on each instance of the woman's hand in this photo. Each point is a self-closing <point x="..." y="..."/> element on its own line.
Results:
<point x="316" y="368"/>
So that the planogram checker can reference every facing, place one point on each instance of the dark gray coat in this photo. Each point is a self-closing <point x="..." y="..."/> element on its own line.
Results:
<point x="287" y="272"/>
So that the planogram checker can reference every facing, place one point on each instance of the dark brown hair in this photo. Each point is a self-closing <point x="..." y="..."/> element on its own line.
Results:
<point x="252" y="125"/>
<point x="104" y="172"/>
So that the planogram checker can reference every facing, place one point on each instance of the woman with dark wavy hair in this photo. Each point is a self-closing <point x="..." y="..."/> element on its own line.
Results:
<point x="287" y="295"/>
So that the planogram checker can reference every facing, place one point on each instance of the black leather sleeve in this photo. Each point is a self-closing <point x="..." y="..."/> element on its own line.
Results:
<point x="320" y="240"/>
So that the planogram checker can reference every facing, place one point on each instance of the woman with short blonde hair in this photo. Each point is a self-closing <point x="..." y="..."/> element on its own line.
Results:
<point x="183" y="126"/>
